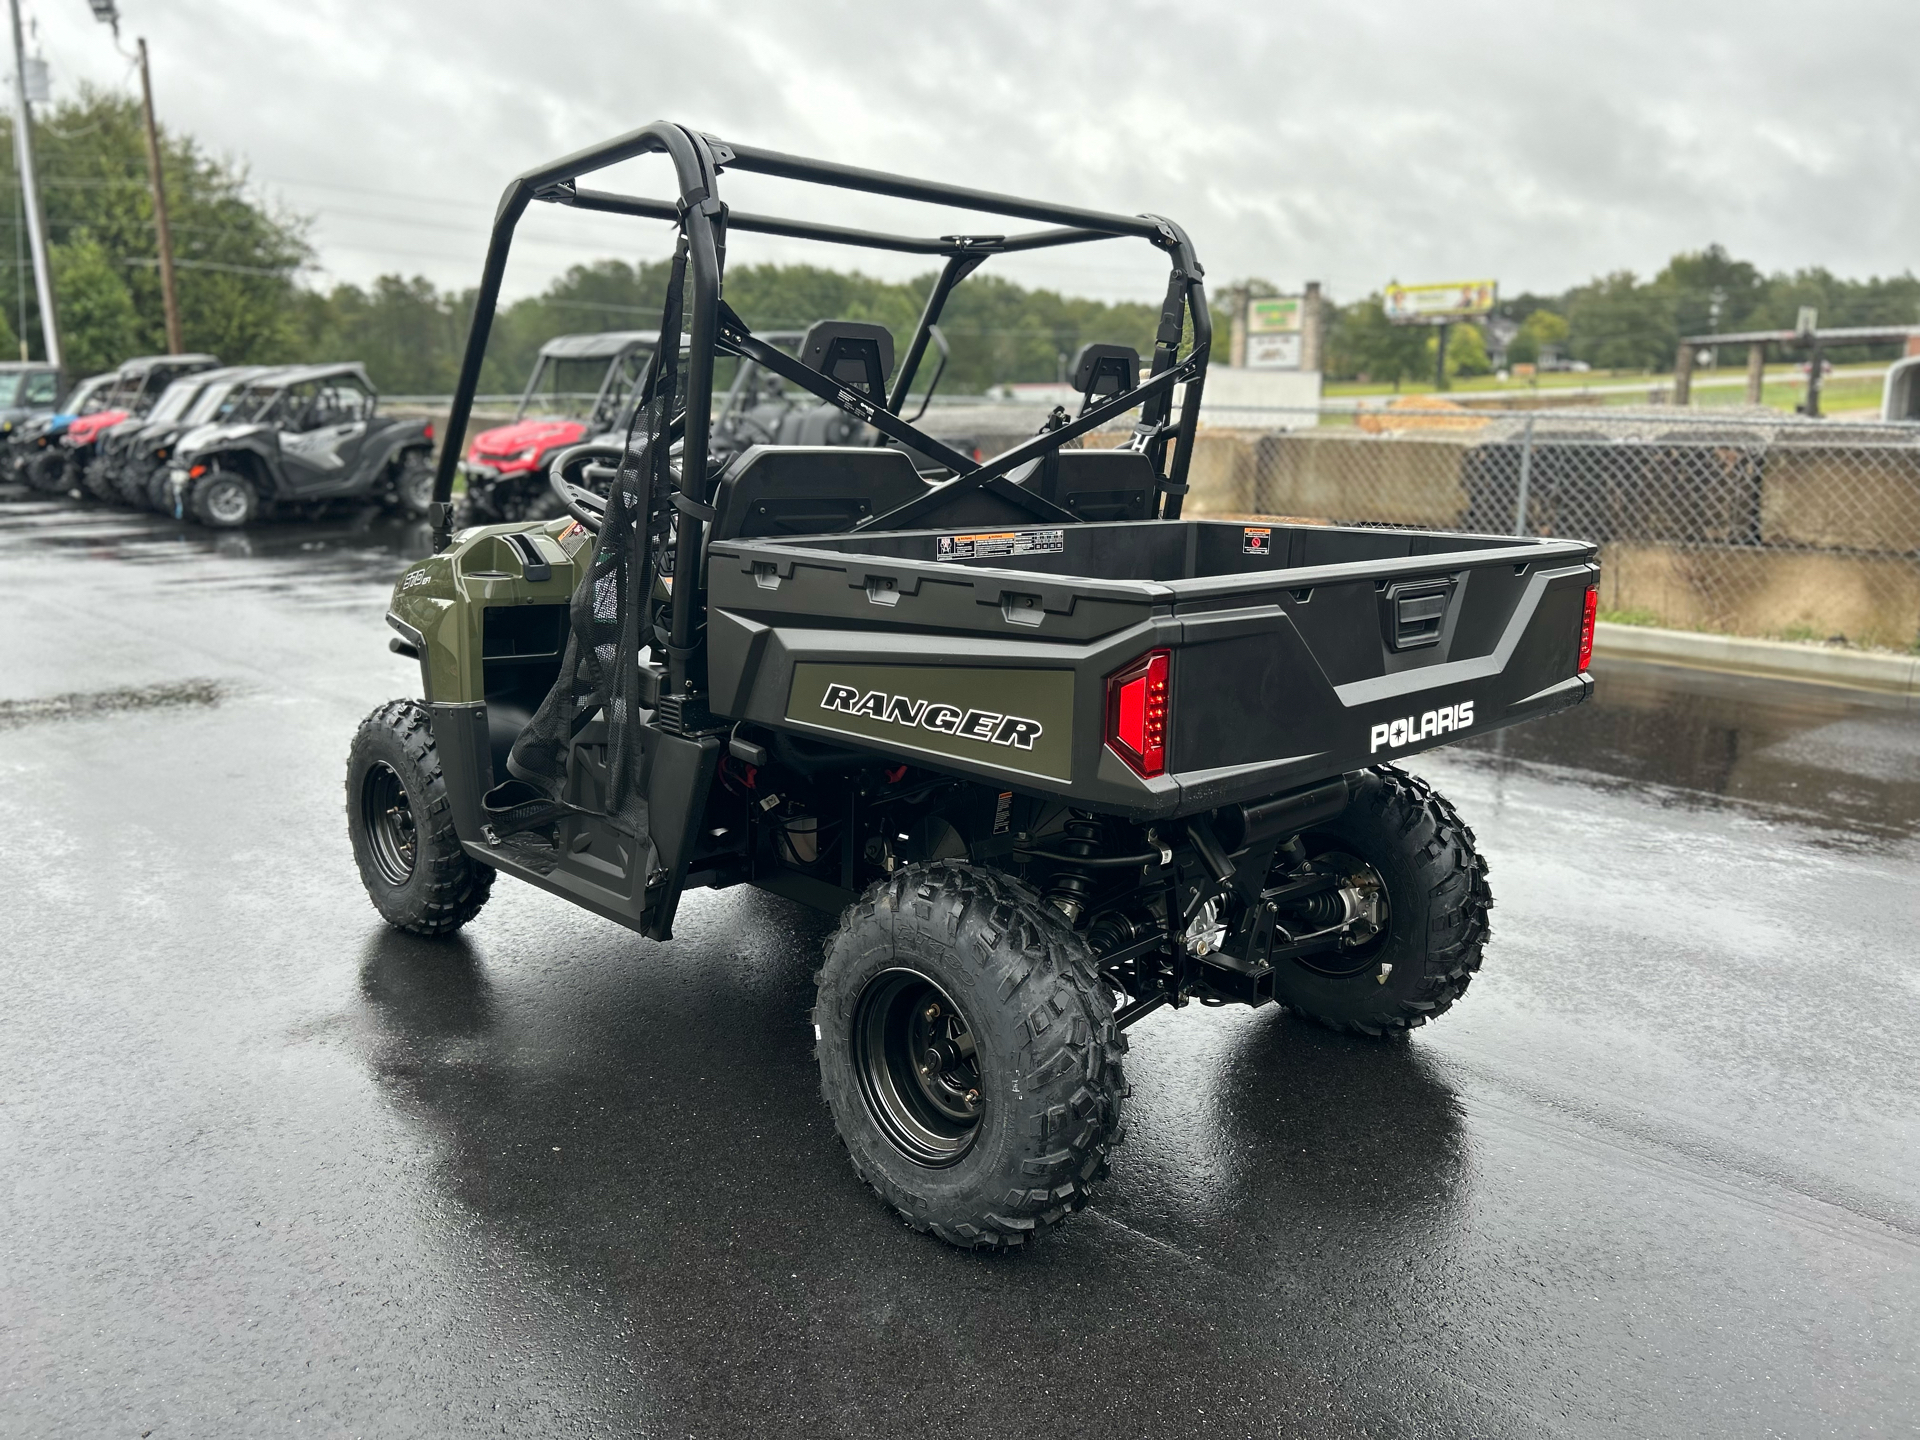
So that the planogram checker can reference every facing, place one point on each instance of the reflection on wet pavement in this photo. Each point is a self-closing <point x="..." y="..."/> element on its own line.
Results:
<point x="1842" y="760"/>
<point x="359" y="542"/>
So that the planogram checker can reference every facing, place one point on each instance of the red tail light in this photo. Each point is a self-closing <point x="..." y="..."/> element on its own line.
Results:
<point x="429" y="429"/>
<point x="1137" y="714"/>
<point x="1591" y="614"/>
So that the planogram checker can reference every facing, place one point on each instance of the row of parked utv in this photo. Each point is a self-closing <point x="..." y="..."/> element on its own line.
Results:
<point x="188" y="437"/>
<point x="223" y="445"/>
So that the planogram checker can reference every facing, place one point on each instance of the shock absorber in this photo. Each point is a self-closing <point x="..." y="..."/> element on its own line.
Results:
<point x="1069" y="889"/>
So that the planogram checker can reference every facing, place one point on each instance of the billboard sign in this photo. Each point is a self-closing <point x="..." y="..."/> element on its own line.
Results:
<point x="1274" y="332"/>
<point x="1438" y="304"/>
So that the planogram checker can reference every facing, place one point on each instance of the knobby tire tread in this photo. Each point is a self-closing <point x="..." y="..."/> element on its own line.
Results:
<point x="1072" y="1087"/>
<point x="449" y="886"/>
<point x="1457" y="887"/>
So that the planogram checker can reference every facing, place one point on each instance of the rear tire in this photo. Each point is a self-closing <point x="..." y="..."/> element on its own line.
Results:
<point x="401" y="824"/>
<point x="968" y="1053"/>
<point x="413" y="485"/>
<point x="1435" y="884"/>
<point x="160" y="496"/>
<point x="223" y="500"/>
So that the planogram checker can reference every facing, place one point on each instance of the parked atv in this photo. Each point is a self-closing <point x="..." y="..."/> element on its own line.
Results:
<point x="138" y="386"/>
<point x="34" y="455"/>
<point x="141" y="449"/>
<point x="1053" y="772"/>
<point x="103" y="474"/>
<point x="29" y="391"/>
<point x="591" y="376"/>
<point x="309" y="435"/>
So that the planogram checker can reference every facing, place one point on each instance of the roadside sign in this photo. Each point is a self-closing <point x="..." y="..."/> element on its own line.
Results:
<point x="1438" y="304"/>
<point x="1274" y="332"/>
<point x="1273" y="352"/>
<point x="1274" y="314"/>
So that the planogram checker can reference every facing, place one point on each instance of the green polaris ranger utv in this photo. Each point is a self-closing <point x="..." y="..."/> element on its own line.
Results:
<point x="1055" y="755"/>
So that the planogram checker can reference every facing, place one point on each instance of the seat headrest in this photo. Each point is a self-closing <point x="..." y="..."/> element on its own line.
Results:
<point x="853" y="353"/>
<point x="1105" y="369"/>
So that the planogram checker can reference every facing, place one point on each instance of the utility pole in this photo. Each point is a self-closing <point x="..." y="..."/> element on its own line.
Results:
<point x="175" y="344"/>
<point x="107" y="12"/>
<point x="30" y="193"/>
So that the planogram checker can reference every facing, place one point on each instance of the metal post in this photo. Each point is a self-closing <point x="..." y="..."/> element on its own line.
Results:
<point x="175" y="344"/>
<point x="1683" y="376"/>
<point x="1440" y="359"/>
<point x="30" y="191"/>
<point x="1814" y="361"/>
<point x="1526" y="474"/>
<point x="1756" y="371"/>
<point x="1310" y="327"/>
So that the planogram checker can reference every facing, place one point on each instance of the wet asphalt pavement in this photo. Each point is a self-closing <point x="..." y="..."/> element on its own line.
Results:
<point x="267" y="1168"/>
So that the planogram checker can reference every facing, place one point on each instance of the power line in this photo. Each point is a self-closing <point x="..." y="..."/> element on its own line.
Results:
<point x="282" y="273"/>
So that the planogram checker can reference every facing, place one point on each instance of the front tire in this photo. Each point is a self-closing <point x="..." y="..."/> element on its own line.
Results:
<point x="97" y="480"/>
<point x="47" y="473"/>
<point x="223" y="500"/>
<point x="1410" y="854"/>
<point x="968" y="1053"/>
<point x="401" y="825"/>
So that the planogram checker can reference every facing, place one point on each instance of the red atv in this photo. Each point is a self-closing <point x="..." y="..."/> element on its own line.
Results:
<point x="580" y="383"/>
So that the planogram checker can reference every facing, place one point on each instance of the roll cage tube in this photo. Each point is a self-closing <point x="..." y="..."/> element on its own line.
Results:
<point x="704" y="221"/>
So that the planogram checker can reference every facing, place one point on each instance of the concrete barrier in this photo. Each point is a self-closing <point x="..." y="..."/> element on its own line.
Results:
<point x="1343" y="475"/>
<point x="1747" y="589"/>
<point x="1852" y="498"/>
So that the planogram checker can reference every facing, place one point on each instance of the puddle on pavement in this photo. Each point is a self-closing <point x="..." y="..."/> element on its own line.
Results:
<point x="84" y="705"/>
<point x="1833" y="758"/>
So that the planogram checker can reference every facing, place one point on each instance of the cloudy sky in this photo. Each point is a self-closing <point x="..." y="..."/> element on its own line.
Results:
<point x="1348" y="141"/>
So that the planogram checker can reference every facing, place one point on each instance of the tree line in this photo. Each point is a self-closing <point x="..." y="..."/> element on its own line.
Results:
<point x="1621" y="322"/>
<point x="242" y="268"/>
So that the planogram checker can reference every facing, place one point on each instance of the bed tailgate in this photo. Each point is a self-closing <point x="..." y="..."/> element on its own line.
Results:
<point x="1317" y="678"/>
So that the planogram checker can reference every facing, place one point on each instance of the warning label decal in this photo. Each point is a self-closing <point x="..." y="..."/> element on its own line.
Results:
<point x="1000" y="542"/>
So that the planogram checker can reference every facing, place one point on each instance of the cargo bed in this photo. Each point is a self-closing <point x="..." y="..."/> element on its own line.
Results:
<point x="1295" y="652"/>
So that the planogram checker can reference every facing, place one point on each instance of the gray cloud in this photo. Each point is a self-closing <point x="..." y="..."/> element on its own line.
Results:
<point x="1348" y="143"/>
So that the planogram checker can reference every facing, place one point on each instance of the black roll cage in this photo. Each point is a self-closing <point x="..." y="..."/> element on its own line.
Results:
<point x="703" y="220"/>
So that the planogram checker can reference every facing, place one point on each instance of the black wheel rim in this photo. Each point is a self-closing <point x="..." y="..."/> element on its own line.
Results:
<point x="391" y="836"/>
<point x="914" y="1052"/>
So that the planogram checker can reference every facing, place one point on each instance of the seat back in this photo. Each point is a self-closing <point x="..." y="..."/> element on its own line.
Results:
<point x="1099" y="484"/>
<point x="772" y="490"/>
<point x="855" y="353"/>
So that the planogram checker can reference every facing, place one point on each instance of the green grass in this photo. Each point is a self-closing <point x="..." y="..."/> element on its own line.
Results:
<point x="1630" y="617"/>
<point x="1784" y="387"/>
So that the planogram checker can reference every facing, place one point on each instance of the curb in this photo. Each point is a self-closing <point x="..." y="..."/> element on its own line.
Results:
<point x="1776" y="659"/>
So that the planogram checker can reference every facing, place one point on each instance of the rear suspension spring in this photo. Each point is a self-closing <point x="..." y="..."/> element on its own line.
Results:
<point x="1070" y="888"/>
